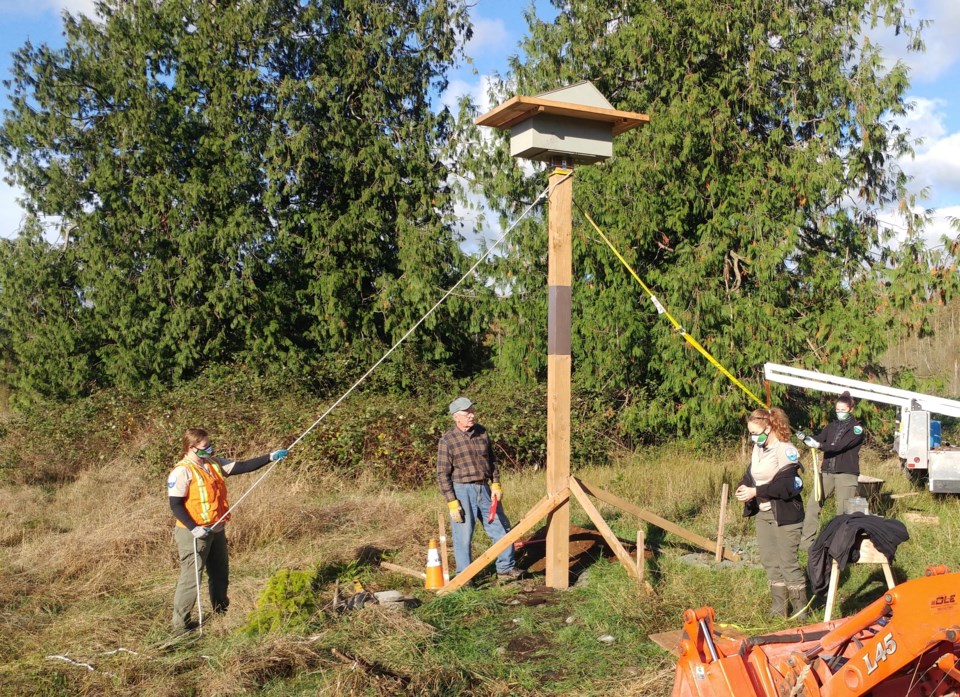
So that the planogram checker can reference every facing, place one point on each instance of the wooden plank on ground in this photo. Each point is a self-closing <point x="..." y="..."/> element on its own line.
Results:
<point x="921" y="518"/>
<point x="654" y="519"/>
<point x="402" y="570"/>
<point x="625" y="559"/>
<point x="668" y="641"/>
<point x="534" y="516"/>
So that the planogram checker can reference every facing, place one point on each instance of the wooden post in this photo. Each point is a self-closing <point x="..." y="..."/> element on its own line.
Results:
<point x="444" y="561"/>
<point x="641" y="554"/>
<point x="723" y="520"/>
<point x="559" y="276"/>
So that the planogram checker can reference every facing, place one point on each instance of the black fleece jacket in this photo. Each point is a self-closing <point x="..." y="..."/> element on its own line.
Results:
<point x="783" y="493"/>
<point x="840" y="442"/>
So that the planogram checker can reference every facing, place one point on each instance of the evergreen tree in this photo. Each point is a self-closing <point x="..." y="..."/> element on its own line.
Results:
<point x="749" y="204"/>
<point x="255" y="181"/>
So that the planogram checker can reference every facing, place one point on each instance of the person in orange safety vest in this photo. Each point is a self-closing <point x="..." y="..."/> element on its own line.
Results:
<point x="198" y="500"/>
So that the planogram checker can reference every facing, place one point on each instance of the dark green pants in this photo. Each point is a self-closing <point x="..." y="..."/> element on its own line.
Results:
<point x="778" y="546"/>
<point x="211" y="553"/>
<point x="841" y="487"/>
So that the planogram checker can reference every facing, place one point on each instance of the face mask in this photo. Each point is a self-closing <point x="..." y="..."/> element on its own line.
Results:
<point x="759" y="438"/>
<point x="843" y="415"/>
<point x="205" y="453"/>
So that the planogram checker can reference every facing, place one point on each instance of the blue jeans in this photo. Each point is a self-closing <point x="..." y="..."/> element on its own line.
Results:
<point x="475" y="500"/>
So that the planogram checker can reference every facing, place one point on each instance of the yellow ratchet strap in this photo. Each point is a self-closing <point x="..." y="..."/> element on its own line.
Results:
<point x="676" y="325"/>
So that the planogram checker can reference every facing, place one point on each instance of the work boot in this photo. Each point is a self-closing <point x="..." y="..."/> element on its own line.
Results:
<point x="798" y="602"/>
<point x="778" y="606"/>
<point x="510" y="576"/>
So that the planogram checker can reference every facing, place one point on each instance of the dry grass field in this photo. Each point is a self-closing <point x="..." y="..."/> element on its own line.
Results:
<point x="87" y="572"/>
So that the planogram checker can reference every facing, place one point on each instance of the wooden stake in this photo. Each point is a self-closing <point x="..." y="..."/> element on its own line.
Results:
<point x="641" y="554"/>
<point x="718" y="557"/>
<point x="442" y="524"/>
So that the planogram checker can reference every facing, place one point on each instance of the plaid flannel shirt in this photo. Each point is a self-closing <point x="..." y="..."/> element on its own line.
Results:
<point x="465" y="457"/>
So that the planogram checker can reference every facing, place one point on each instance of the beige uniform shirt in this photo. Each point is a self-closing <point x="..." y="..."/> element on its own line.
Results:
<point x="767" y="460"/>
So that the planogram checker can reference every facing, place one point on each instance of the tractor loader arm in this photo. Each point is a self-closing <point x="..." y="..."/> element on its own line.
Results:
<point x="904" y="644"/>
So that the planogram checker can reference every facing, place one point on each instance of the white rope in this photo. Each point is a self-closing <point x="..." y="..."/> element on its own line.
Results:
<point x="196" y="568"/>
<point x="90" y="666"/>
<point x="393" y="348"/>
<point x="79" y="664"/>
<point x="801" y="681"/>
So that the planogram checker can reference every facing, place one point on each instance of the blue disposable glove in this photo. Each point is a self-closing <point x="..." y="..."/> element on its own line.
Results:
<point x="277" y="455"/>
<point x="200" y="532"/>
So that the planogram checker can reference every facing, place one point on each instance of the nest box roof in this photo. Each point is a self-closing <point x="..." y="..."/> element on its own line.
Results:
<point x="581" y="101"/>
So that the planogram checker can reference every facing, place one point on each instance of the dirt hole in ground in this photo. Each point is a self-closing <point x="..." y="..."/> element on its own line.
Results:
<point x="528" y="646"/>
<point x="586" y="547"/>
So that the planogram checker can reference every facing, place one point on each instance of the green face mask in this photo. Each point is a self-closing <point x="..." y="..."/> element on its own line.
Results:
<point x="759" y="439"/>
<point x="843" y="415"/>
<point x="205" y="453"/>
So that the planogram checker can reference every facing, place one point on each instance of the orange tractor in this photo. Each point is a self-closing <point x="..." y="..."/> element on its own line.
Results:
<point x="904" y="644"/>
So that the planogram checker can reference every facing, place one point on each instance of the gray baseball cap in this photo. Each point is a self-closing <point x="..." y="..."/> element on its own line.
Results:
<point x="460" y="404"/>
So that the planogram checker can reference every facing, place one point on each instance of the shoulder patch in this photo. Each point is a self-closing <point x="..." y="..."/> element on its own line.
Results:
<point x="791" y="453"/>
<point x="858" y="430"/>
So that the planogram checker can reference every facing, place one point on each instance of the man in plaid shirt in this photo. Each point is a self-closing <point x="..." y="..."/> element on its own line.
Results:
<point x="470" y="481"/>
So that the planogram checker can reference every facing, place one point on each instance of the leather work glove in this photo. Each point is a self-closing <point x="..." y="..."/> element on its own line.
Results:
<point x="277" y="455"/>
<point x="456" y="511"/>
<point x="496" y="491"/>
<point x="200" y="532"/>
<point x="810" y="442"/>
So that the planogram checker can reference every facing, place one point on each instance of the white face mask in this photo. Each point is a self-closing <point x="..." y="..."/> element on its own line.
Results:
<point x="843" y="415"/>
<point x="759" y="438"/>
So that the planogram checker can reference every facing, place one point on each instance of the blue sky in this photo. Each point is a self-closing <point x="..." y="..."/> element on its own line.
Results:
<point x="499" y="27"/>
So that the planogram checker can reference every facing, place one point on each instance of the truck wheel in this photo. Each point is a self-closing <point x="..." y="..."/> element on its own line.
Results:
<point x="918" y="478"/>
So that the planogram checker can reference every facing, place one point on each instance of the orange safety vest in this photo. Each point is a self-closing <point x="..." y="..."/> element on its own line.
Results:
<point x="207" y="496"/>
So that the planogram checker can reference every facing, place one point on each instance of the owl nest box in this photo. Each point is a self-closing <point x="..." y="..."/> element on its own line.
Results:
<point x="574" y="124"/>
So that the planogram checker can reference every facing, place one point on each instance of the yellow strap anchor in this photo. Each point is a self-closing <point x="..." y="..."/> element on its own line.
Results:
<point x="663" y="311"/>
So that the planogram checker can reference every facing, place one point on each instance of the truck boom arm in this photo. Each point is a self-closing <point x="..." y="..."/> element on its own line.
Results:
<point x="798" y="377"/>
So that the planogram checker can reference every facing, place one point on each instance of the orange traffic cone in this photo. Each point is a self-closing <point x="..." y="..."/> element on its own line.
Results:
<point x="434" y="570"/>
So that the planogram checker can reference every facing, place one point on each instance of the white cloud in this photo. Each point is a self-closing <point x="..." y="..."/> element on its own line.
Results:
<point x="925" y="119"/>
<point x="490" y="36"/>
<point x="940" y="225"/>
<point x="475" y="89"/>
<point x="19" y="8"/>
<point x="942" y="48"/>
<point x="75" y="6"/>
<point x="936" y="165"/>
<point x="11" y="214"/>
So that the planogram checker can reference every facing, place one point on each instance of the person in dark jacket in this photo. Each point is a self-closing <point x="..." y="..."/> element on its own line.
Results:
<point x="770" y="491"/>
<point x="840" y="442"/>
